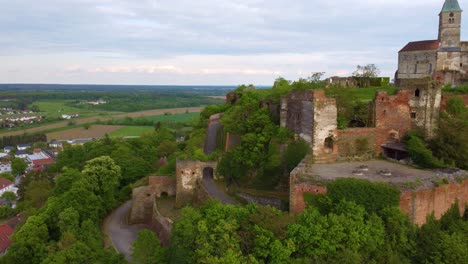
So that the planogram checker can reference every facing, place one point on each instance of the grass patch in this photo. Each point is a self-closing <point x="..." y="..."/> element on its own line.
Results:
<point x="130" y="131"/>
<point x="362" y="94"/>
<point x="54" y="109"/>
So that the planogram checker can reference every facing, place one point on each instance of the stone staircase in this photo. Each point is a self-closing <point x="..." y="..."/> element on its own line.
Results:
<point x="326" y="158"/>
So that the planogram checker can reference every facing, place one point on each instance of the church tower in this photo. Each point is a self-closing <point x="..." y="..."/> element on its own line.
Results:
<point x="450" y="25"/>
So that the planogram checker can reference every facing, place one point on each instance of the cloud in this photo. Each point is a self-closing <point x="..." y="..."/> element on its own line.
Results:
<point x="207" y="37"/>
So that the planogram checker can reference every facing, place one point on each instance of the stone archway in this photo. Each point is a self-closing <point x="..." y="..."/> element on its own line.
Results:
<point x="329" y="144"/>
<point x="208" y="173"/>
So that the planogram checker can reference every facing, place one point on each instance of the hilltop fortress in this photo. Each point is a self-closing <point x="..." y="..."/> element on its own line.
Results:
<point x="444" y="59"/>
<point x="424" y="67"/>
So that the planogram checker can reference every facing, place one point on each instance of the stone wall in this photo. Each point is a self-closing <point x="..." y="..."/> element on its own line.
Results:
<point x="417" y="205"/>
<point x="214" y="127"/>
<point x="416" y="64"/>
<point x="313" y="117"/>
<point x="391" y="117"/>
<point x="325" y="124"/>
<point x="144" y="197"/>
<point x="357" y="143"/>
<point x="425" y="98"/>
<point x="161" y="225"/>
<point x="188" y="172"/>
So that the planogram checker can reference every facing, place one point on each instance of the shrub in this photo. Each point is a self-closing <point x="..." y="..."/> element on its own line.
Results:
<point x="420" y="154"/>
<point x="372" y="196"/>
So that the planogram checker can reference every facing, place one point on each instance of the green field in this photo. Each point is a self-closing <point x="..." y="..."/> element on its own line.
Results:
<point x="163" y="118"/>
<point x="131" y="131"/>
<point x="53" y="109"/>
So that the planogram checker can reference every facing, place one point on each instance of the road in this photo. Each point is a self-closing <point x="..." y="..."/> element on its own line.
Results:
<point x="216" y="193"/>
<point x="82" y="121"/>
<point x="122" y="234"/>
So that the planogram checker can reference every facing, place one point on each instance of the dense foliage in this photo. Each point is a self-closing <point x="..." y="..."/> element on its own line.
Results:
<point x="21" y="139"/>
<point x="374" y="197"/>
<point x="448" y="147"/>
<point x="450" y="144"/>
<point x="66" y="229"/>
<point x="347" y="233"/>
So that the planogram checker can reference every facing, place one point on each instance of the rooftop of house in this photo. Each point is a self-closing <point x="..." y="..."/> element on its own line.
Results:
<point x="5" y="233"/>
<point x="399" y="175"/>
<point x="5" y="183"/>
<point x="421" y="45"/>
<point x="21" y="152"/>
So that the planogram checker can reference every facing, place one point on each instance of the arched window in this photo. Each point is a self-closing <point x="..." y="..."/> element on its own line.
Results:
<point x="417" y="93"/>
<point x="416" y="68"/>
<point x="430" y="68"/>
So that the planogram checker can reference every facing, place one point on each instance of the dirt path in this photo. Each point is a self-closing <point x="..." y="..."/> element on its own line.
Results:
<point x="104" y="118"/>
<point x="122" y="234"/>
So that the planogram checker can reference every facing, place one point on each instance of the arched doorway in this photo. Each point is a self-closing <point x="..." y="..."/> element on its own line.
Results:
<point x="329" y="144"/>
<point x="208" y="173"/>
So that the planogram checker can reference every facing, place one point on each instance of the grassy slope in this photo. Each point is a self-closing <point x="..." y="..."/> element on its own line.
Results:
<point x="131" y="131"/>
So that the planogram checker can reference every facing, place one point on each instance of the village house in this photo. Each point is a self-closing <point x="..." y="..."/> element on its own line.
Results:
<point x="23" y="146"/>
<point x="5" y="233"/>
<point x="41" y="159"/>
<point x="8" y="149"/>
<point x="5" y="167"/>
<point x="7" y="186"/>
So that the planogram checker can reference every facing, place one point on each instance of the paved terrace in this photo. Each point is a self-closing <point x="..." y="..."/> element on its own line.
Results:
<point x="399" y="175"/>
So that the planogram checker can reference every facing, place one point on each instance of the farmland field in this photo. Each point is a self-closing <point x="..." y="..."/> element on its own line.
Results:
<point x="95" y="131"/>
<point x="96" y="118"/>
<point x="131" y="131"/>
<point x="163" y="118"/>
<point x="53" y="109"/>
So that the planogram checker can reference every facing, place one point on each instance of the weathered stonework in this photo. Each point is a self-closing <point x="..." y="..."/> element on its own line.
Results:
<point x="187" y="174"/>
<point x="313" y="117"/>
<point x="357" y="143"/>
<point x="144" y="197"/>
<point x="444" y="59"/>
<point x="417" y="205"/>
<point x="214" y="128"/>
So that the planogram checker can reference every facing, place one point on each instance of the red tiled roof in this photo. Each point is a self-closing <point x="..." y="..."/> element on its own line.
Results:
<point x="5" y="183"/>
<point x="43" y="162"/>
<point x="5" y="233"/>
<point x="421" y="45"/>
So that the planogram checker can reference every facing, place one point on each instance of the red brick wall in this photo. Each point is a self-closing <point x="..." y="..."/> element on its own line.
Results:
<point x="296" y="200"/>
<point x="349" y="136"/>
<point x="391" y="114"/>
<point x="443" y="103"/>
<point x="417" y="205"/>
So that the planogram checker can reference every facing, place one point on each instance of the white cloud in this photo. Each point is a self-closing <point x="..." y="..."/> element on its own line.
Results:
<point x="157" y="41"/>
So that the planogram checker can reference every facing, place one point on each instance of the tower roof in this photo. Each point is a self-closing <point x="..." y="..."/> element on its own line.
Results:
<point x="451" y="6"/>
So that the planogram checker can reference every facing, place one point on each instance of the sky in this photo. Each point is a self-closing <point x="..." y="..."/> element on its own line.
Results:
<point x="205" y="42"/>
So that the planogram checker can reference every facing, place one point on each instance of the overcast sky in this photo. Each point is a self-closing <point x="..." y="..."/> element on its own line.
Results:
<point x="218" y="42"/>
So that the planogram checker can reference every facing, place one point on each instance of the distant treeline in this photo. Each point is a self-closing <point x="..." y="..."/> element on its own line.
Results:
<point x="198" y="89"/>
<point x="22" y="139"/>
<point x="121" y="101"/>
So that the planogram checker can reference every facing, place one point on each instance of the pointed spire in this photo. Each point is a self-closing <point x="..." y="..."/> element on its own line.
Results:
<point x="451" y="6"/>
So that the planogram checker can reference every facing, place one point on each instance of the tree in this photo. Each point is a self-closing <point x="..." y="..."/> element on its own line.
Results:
<point x="147" y="249"/>
<point x="18" y="166"/>
<point x="86" y="126"/>
<point x="364" y="73"/>
<point x="104" y="176"/>
<point x="9" y="197"/>
<point x="38" y="191"/>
